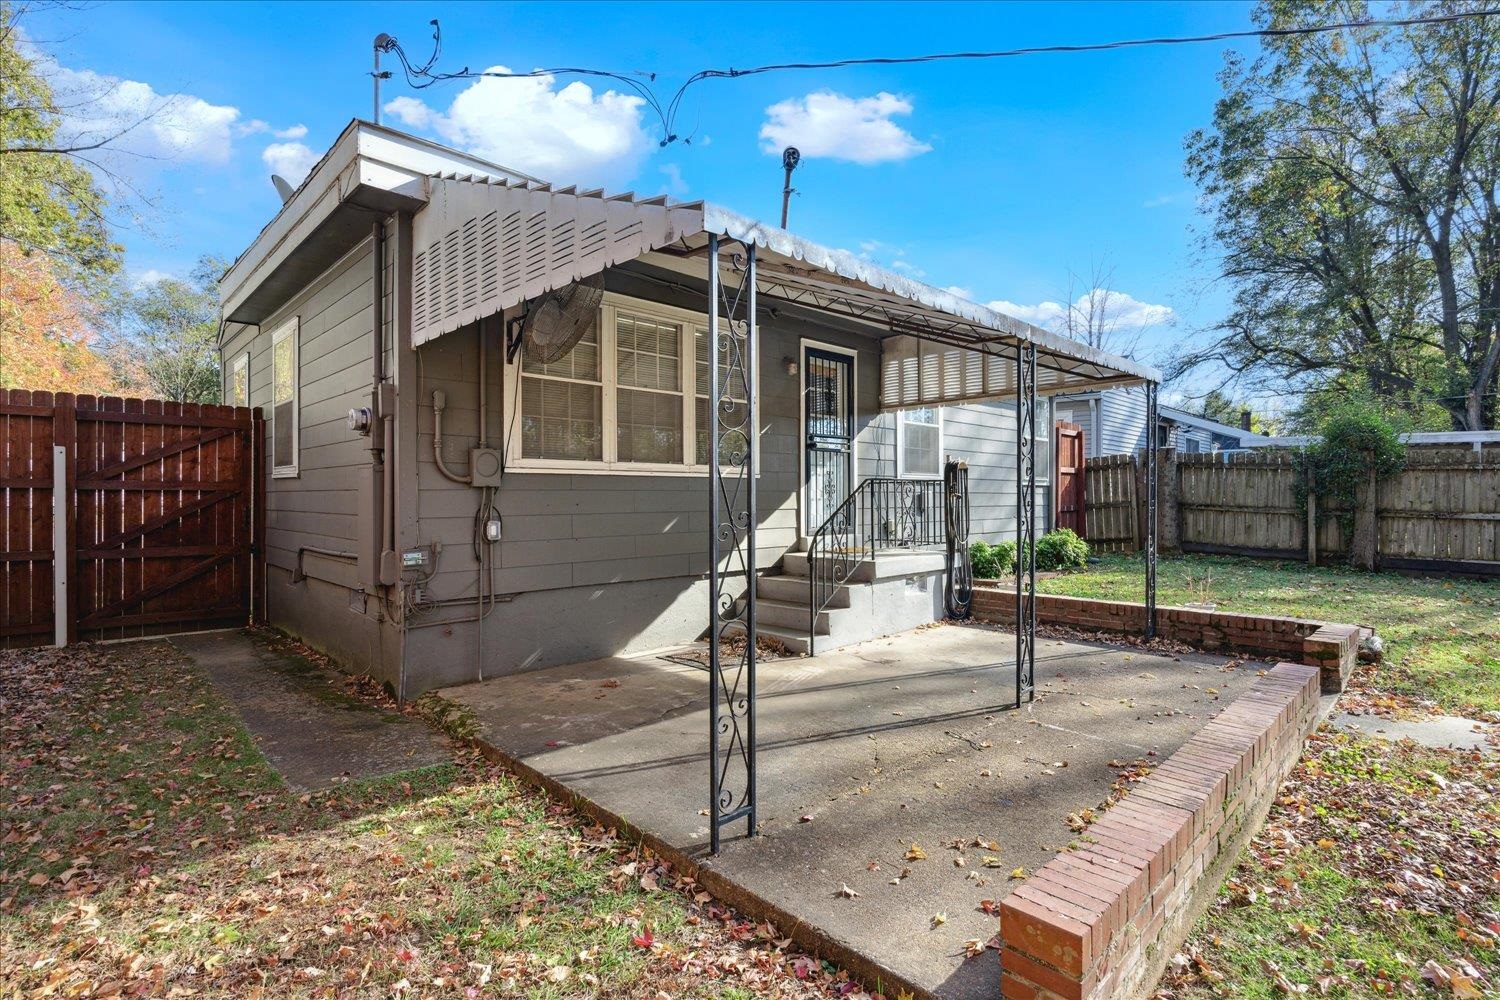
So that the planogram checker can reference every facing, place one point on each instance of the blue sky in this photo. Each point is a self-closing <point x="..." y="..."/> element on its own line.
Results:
<point x="996" y="177"/>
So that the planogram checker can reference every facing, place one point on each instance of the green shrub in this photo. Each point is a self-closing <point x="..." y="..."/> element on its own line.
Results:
<point x="1355" y="441"/>
<point x="1061" y="548"/>
<point x="991" y="562"/>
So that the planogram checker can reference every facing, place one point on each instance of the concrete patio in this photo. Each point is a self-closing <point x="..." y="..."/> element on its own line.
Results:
<point x="864" y="752"/>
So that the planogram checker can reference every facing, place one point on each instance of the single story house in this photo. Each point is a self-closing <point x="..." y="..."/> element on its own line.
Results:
<point x="491" y="406"/>
<point x="1114" y="423"/>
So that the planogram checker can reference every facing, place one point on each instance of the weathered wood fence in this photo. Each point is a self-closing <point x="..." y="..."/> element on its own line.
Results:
<point x="161" y="517"/>
<point x="1441" y="514"/>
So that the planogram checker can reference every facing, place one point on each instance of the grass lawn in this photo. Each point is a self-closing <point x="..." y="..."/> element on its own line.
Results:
<point x="1442" y="636"/>
<point x="146" y="849"/>
<point x="1375" y="873"/>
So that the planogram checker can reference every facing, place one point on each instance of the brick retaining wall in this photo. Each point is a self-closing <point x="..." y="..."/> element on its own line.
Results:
<point x="1101" y="920"/>
<point x="1330" y="647"/>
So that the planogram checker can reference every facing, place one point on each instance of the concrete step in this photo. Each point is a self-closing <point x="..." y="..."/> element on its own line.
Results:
<point x="795" y="564"/>
<point x="897" y="562"/>
<point x="789" y="614"/>
<point x="795" y="640"/>
<point x="794" y="589"/>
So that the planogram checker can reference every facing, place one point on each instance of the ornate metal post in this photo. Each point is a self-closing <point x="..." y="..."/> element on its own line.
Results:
<point x="1025" y="523"/>
<point x="732" y="422"/>
<point x="1153" y="439"/>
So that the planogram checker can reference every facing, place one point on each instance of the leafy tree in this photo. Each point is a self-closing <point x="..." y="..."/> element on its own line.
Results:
<point x="49" y="202"/>
<point x="48" y="332"/>
<point x="167" y="339"/>
<point x="1352" y="178"/>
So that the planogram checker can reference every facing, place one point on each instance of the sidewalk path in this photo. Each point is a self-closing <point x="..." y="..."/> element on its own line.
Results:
<point x="309" y="730"/>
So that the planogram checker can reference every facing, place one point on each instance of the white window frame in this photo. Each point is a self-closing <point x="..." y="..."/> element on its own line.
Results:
<point x="901" y="471"/>
<point x="291" y="328"/>
<point x="614" y="303"/>
<point x="241" y="360"/>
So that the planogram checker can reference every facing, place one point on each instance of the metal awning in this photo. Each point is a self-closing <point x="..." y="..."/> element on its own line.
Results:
<point x="484" y="244"/>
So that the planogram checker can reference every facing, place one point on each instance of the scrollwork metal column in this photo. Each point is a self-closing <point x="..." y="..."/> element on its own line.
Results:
<point x="732" y="366"/>
<point x="1025" y="523"/>
<point x="1153" y="440"/>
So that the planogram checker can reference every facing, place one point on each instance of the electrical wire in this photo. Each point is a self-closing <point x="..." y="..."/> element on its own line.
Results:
<point x="422" y="77"/>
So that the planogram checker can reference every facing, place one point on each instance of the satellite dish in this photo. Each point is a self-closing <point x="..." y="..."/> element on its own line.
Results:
<point x="282" y="188"/>
<point x="560" y="318"/>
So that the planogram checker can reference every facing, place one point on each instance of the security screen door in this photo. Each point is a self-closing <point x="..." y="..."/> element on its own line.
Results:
<point x="828" y="409"/>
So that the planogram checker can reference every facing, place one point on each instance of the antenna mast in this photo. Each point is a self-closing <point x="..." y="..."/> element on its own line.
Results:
<point x="383" y="43"/>
<point x="790" y="157"/>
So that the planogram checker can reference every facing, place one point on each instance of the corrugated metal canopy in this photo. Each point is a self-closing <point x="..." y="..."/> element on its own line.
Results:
<point x="485" y="245"/>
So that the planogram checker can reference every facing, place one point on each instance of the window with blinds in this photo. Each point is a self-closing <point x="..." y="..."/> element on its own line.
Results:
<point x="620" y="400"/>
<point x="919" y="444"/>
<point x="284" y="380"/>
<point x="733" y="414"/>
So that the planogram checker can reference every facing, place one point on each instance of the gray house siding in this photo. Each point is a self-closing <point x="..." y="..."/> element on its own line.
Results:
<point x="593" y="565"/>
<point x="589" y="565"/>
<point x="317" y="507"/>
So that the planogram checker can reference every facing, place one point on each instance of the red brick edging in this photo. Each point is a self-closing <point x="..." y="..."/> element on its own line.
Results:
<point x="1100" y="920"/>
<point x="1331" y="647"/>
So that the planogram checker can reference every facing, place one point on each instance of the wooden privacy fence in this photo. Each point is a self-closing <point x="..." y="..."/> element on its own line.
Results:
<point x="1441" y="514"/>
<point x="161" y="524"/>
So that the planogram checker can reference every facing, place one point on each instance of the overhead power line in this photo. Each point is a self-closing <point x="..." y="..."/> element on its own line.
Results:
<point x="421" y="77"/>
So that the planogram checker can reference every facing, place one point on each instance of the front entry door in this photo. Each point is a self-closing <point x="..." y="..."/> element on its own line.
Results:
<point x="828" y="438"/>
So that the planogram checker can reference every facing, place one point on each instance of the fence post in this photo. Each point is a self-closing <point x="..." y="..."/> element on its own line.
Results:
<point x="1312" y="528"/>
<point x="1365" y="542"/>
<point x="64" y="528"/>
<point x="1135" y="503"/>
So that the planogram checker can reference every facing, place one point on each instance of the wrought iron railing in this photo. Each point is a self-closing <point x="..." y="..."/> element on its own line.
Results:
<point x="880" y="515"/>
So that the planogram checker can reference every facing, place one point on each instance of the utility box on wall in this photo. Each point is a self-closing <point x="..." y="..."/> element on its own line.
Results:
<point x="485" y="466"/>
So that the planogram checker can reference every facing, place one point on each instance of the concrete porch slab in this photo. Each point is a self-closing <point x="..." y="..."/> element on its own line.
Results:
<point x="898" y="741"/>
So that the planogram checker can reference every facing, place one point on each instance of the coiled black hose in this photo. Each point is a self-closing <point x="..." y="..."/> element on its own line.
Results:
<point x="959" y="586"/>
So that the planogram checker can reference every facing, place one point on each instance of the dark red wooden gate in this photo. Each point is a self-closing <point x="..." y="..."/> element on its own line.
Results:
<point x="1068" y="447"/>
<point x="162" y="500"/>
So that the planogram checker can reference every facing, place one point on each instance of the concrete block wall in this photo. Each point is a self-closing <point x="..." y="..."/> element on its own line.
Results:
<point x="1101" y="920"/>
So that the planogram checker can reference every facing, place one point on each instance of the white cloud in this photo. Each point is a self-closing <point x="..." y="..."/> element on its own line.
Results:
<point x="858" y="129"/>
<point x="257" y="127"/>
<point x="292" y="160"/>
<point x="676" y="186"/>
<point x="960" y="291"/>
<point x="1163" y="200"/>
<point x="178" y="127"/>
<point x="149" y="276"/>
<point x="568" y="135"/>
<point x="1123" y="311"/>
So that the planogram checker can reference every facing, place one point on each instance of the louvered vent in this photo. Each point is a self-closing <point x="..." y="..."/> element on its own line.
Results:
<point x="485" y="246"/>
<point x="920" y="373"/>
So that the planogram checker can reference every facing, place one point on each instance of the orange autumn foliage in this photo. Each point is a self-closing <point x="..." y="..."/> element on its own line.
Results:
<point x="46" y="337"/>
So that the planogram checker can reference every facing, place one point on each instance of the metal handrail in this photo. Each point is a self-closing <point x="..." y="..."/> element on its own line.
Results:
<point x="880" y="514"/>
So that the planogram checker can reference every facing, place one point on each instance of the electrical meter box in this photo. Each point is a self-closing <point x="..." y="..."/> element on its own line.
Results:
<point x="485" y="466"/>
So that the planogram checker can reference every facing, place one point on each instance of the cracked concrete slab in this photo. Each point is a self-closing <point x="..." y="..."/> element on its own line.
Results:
<point x="863" y="752"/>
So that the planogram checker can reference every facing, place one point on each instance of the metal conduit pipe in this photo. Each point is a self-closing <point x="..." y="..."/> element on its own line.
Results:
<point x="299" y="574"/>
<point x="439" y="401"/>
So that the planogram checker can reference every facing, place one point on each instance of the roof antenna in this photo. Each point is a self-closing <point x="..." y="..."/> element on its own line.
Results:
<point x="790" y="157"/>
<point x="383" y="43"/>
<point x="282" y="188"/>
